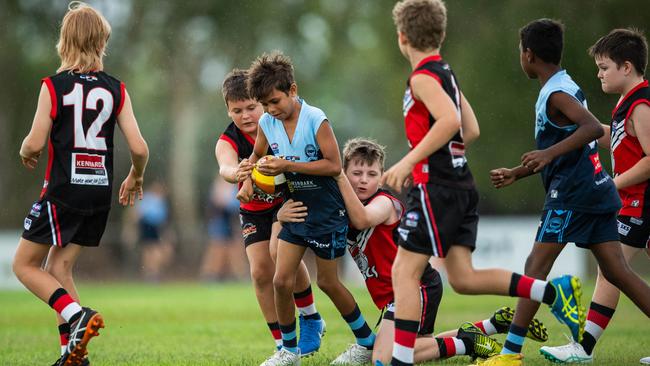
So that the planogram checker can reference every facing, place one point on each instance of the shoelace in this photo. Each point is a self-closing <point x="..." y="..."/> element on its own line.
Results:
<point x="567" y="308"/>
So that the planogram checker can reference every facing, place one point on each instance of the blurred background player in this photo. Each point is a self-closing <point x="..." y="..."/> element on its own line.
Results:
<point x="78" y="109"/>
<point x="302" y="136"/>
<point x="621" y="57"/>
<point x="582" y="209"/>
<point x="258" y="222"/>
<point x="441" y="210"/>
<point x="153" y="216"/>
<point x="222" y="259"/>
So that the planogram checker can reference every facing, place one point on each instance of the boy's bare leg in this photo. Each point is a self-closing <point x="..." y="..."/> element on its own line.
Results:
<point x="262" y="270"/>
<point x="27" y="266"/>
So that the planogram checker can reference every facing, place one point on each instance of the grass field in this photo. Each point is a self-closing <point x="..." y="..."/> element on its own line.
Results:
<point x="190" y="324"/>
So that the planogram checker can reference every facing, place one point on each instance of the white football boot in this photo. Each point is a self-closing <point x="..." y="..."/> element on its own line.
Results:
<point x="356" y="354"/>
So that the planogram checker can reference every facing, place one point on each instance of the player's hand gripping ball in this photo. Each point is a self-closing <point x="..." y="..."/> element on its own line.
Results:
<point x="266" y="183"/>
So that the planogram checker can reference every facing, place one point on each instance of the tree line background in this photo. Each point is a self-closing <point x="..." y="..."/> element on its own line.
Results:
<point x="173" y="56"/>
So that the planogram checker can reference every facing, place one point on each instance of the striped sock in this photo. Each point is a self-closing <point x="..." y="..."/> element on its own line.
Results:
<point x="597" y="320"/>
<point x="275" y="332"/>
<point x="63" y="303"/>
<point x="452" y="346"/>
<point x="289" y="338"/>
<point x="530" y="288"/>
<point x="362" y="332"/>
<point x="64" y="334"/>
<point x="514" y="340"/>
<point x="487" y="327"/>
<point x="305" y="303"/>
<point x="405" y="333"/>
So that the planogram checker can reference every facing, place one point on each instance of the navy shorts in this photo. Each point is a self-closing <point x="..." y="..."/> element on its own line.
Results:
<point x="635" y="231"/>
<point x="583" y="229"/>
<point x="51" y="224"/>
<point x="327" y="246"/>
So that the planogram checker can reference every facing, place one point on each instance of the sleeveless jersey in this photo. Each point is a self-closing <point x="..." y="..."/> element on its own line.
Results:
<point x="321" y="195"/>
<point x="575" y="180"/>
<point x="627" y="151"/>
<point x="243" y="146"/>
<point x="79" y="174"/>
<point x="374" y="250"/>
<point x="448" y="165"/>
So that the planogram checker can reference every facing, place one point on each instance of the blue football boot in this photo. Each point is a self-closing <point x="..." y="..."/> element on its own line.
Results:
<point x="311" y="332"/>
<point x="567" y="306"/>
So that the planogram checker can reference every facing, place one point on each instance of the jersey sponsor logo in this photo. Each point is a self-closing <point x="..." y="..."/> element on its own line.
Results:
<point x="635" y="203"/>
<point x="275" y="148"/>
<point x="595" y="160"/>
<point x="28" y="223"/>
<point x="88" y="169"/>
<point x="88" y="77"/>
<point x="357" y="250"/>
<point x="408" y="101"/>
<point x="403" y="233"/>
<point x="411" y="219"/>
<point x="554" y="193"/>
<point x="318" y="244"/>
<point x="248" y="229"/>
<point x="554" y="225"/>
<point x="623" y="229"/>
<point x="36" y="210"/>
<point x="636" y="220"/>
<point x="457" y="151"/>
<point x="301" y="185"/>
<point x="311" y="152"/>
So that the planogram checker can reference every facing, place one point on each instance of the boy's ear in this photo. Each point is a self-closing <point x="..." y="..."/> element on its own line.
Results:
<point x="293" y="90"/>
<point x="401" y="37"/>
<point x="628" y="68"/>
<point x="530" y="56"/>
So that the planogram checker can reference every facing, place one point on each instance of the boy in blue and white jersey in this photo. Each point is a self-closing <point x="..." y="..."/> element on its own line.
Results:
<point x="581" y="200"/>
<point x="301" y="136"/>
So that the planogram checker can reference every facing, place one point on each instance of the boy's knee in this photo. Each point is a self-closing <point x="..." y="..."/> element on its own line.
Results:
<point x="460" y="284"/>
<point x="327" y="284"/>
<point x="283" y="283"/>
<point x="614" y="276"/>
<point x="537" y="267"/>
<point x="261" y="276"/>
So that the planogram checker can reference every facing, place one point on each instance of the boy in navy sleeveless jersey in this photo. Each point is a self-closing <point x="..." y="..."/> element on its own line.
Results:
<point x="621" y="58"/>
<point x="441" y="214"/>
<point x="301" y="137"/>
<point x="581" y="199"/>
<point x="79" y="107"/>
<point x="374" y="218"/>
<point x="259" y="225"/>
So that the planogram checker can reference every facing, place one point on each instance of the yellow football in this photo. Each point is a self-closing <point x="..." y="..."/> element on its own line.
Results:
<point x="267" y="183"/>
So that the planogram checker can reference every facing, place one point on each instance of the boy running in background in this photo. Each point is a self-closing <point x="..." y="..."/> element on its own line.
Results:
<point x="374" y="217"/>
<point x="581" y="199"/>
<point x="441" y="211"/>
<point x="78" y="108"/>
<point x="259" y="224"/>
<point x="621" y="58"/>
<point x="302" y="139"/>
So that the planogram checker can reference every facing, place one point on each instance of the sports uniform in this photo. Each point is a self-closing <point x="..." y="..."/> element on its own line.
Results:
<point x="581" y="199"/>
<point x="326" y="225"/>
<point x="257" y="216"/>
<point x="374" y="251"/>
<point x="441" y="208"/>
<point x="76" y="195"/>
<point x="634" y="216"/>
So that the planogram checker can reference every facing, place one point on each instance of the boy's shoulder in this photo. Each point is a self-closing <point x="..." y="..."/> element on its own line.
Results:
<point x="312" y="112"/>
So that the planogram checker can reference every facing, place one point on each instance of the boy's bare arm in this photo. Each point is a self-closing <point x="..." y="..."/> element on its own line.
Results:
<point x="605" y="141"/>
<point x="132" y="186"/>
<point x="33" y="144"/>
<point x="230" y="169"/>
<point x="589" y="129"/>
<point x="362" y="217"/>
<point x="471" y="130"/>
<point x="640" y="172"/>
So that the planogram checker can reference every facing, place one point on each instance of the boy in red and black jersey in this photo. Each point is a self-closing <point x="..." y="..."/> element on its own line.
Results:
<point x="258" y="216"/>
<point x="621" y="57"/>
<point x="78" y="109"/>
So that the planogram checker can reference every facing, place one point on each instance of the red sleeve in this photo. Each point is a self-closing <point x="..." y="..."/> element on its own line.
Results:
<point x="50" y="88"/>
<point x="230" y="141"/>
<point x="122" y="97"/>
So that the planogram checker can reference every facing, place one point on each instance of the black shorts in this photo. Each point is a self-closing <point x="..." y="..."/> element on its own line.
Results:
<point x="634" y="231"/>
<point x="438" y="217"/>
<point x="256" y="226"/>
<point x="327" y="246"/>
<point x="430" y="297"/>
<point x="49" y="223"/>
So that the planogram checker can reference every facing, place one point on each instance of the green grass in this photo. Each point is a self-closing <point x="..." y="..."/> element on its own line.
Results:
<point x="190" y="324"/>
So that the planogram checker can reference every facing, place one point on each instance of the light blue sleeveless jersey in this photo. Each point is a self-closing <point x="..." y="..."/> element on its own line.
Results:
<point x="575" y="180"/>
<point x="321" y="195"/>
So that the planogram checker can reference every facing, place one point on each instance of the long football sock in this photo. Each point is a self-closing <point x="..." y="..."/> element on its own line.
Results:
<point x="362" y="332"/>
<point x="530" y="288"/>
<point x="64" y="334"/>
<point x="63" y="303"/>
<point x="276" y="333"/>
<point x="305" y="303"/>
<point x="452" y="346"/>
<point x="405" y="333"/>
<point x="289" y="337"/>
<point x="487" y="327"/>
<point x="514" y="340"/>
<point x="597" y="320"/>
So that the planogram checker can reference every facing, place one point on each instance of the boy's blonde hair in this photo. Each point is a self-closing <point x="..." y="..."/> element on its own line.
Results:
<point x="423" y="22"/>
<point x="363" y="150"/>
<point x="83" y="39"/>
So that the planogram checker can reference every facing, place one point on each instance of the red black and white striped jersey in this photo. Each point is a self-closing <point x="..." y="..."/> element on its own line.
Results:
<point x="374" y="250"/>
<point x="627" y="151"/>
<point x="448" y="165"/>
<point x="243" y="145"/>
<point x="84" y="112"/>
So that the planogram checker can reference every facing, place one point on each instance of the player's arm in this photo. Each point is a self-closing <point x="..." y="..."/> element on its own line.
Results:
<point x="292" y="211"/>
<point x="468" y="121"/>
<point x="640" y="172"/>
<point x="605" y="140"/>
<point x="442" y="108"/>
<point x="33" y="144"/>
<point x="260" y="148"/>
<point x="589" y="129"/>
<point x="230" y="169"/>
<point x="132" y="185"/>
<point x="503" y="177"/>
<point x="380" y="210"/>
<point x="329" y="165"/>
